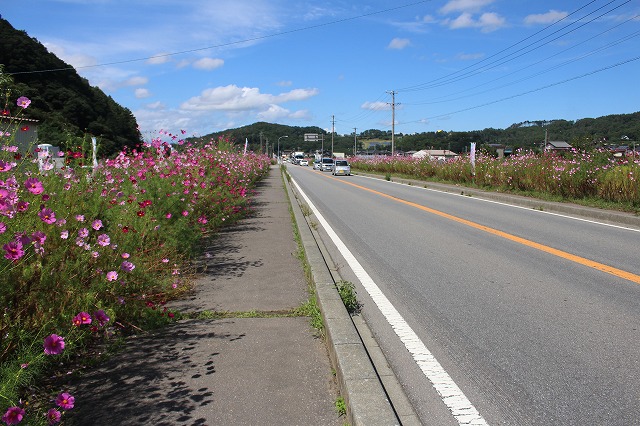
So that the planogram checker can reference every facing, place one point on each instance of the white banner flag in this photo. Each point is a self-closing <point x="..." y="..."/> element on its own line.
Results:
<point x="473" y="156"/>
<point x="246" y="142"/>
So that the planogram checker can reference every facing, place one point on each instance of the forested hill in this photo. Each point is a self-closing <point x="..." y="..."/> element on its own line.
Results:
<point x="262" y="134"/>
<point x="617" y="129"/>
<point x="68" y="108"/>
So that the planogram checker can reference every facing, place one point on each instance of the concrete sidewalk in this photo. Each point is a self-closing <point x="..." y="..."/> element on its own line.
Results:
<point x="240" y="371"/>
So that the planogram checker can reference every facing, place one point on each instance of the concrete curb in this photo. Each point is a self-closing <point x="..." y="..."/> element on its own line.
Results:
<point x="365" y="398"/>
<point x="611" y="216"/>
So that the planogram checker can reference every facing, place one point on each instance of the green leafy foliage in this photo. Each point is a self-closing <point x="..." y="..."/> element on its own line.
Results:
<point x="65" y="104"/>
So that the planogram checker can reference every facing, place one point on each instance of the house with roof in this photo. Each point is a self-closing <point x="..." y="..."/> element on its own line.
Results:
<point x="436" y="154"/>
<point x="557" y="146"/>
<point x="21" y="132"/>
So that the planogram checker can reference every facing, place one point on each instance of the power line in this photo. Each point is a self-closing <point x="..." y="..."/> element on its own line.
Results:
<point x="232" y="43"/>
<point x="461" y="74"/>
<point x="590" y="53"/>
<point x="529" y="91"/>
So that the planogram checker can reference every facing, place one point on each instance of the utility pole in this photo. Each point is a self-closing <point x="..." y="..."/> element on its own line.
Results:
<point x="260" y="142"/>
<point x="333" y="127"/>
<point x="393" y="120"/>
<point x="355" y="140"/>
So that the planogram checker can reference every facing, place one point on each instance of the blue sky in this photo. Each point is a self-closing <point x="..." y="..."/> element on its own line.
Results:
<point x="210" y="65"/>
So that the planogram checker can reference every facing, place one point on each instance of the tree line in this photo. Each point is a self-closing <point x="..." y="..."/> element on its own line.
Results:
<point x="67" y="107"/>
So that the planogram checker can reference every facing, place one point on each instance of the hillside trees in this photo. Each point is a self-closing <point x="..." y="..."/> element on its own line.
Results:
<point x="68" y="108"/>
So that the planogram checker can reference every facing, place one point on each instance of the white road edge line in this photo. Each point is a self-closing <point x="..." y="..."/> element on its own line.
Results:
<point x="452" y="396"/>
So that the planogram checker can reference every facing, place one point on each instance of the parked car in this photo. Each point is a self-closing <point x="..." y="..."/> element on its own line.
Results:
<point x="341" y="167"/>
<point x="327" y="164"/>
<point x="303" y="162"/>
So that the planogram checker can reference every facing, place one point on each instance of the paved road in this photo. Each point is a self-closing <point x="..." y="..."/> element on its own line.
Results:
<point x="533" y="316"/>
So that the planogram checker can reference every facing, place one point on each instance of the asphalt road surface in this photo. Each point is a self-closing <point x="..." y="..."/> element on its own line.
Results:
<point x="533" y="318"/>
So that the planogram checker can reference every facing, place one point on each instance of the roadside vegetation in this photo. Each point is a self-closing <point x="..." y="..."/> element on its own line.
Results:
<point x="594" y="177"/>
<point x="92" y="254"/>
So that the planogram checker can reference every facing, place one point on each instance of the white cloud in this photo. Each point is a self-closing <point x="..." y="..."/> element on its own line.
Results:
<point x="302" y="114"/>
<point x="463" y="21"/>
<point x="273" y="113"/>
<point x="399" y="43"/>
<point x="487" y="22"/>
<point x="234" y="98"/>
<point x="284" y="83"/>
<point x="376" y="106"/>
<point x="544" y="18"/>
<point x="160" y="58"/>
<point x="208" y="64"/>
<point x="156" y="105"/>
<point x="428" y="19"/>
<point x="136" y="81"/>
<point x="142" y="93"/>
<point x="490" y="22"/>
<point x="464" y="6"/>
<point x="77" y="60"/>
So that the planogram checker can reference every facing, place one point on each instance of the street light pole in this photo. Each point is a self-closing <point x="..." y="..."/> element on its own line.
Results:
<point x="279" y="147"/>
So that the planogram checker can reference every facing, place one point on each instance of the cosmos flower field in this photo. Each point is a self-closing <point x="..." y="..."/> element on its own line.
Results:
<point x="89" y="253"/>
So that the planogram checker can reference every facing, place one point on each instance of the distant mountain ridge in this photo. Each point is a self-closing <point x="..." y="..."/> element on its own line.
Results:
<point x="67" y="107"/>
<point x="616" y="129"/>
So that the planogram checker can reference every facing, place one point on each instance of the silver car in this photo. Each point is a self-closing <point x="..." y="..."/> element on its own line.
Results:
<point x="327" y="164"/>
<point x="341" y="167"/>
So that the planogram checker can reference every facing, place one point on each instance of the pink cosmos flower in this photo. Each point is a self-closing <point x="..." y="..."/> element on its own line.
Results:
<point x="38" y="237"/>
<point x="23" y="102"/>
<point x="102" y="317"/>
<point x="97" y="224"/>
<point x="5" y="167"/>
<point x="3" y="228"/>
<point x="83" y="233"/>
<point x="47" y="216"/>
<point x="185" y="213"/>
<point x="64" y="234"/>
<point x="125" y="255"/>
<point x="34" y="186"/>
<point x="22" y="206"/>
<point x="53" y="345"/>
<point x="127" y="266"/>
<point x="65" y="401"/>
<point x="112" y="276"/>
<point x="54" y="416"/>
<point x="80" y="218"/>
<point x="13" y="250"/>
<point x="13" y="416"/>
<point x="103" y="240"/>
<point x="81" y="318"/>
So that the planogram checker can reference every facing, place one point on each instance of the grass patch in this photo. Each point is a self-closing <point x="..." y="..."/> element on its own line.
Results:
<point x="310" y="308"/>
<point x="347" y="292"/>
<point x="341" y="406"/>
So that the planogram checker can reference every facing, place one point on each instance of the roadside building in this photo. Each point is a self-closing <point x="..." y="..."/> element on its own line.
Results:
<point x="436" y="154"/>
<point x="557" y="146"/>
<point x="21" y="132"/>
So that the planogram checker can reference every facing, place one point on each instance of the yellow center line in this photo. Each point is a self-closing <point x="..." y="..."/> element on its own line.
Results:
<point x="562" y="254"/>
